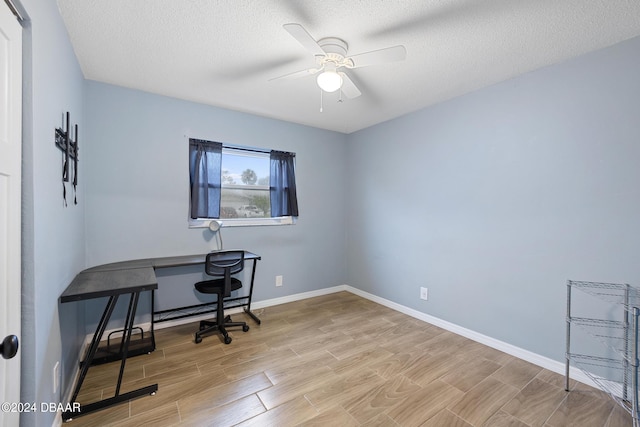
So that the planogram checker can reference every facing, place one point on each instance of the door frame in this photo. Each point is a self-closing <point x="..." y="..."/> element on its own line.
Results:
<point x="11" y="193"/>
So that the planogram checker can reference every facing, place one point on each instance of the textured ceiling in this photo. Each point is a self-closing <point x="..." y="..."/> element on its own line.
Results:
<point x="224" y="52"/>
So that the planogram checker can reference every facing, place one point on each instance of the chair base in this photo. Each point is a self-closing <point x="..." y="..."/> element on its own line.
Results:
<point x="207" y="326"/>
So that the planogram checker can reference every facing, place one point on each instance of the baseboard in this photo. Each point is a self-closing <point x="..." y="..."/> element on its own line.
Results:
<point x="298" y="297"/>
<point x="66" y="398"/>
<point x="57" y="421"/>
<point x="255" y="307"/>
<point x="520" y="353"/>
<point x="170" y="323"/>
<point x="207" y="316"/>
<point x="534" y="358"/>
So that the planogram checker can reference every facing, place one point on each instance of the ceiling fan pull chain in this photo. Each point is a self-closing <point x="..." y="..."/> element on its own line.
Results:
<point x="321" y="100"/>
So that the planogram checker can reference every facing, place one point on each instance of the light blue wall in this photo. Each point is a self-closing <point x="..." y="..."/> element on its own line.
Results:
<point x="53" y="242"/>
<point x="493" y="200"/>
<point x="138" y="189"/>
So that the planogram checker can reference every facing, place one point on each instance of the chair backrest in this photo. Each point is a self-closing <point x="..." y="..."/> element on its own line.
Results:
<point x="224" y="263"/>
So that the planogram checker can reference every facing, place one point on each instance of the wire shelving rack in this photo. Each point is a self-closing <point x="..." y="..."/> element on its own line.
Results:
<point x="619" y="337"/>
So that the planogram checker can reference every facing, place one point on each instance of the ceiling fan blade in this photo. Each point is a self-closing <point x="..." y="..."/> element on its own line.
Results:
<point x="349" y="88"/>
<point x="390" y="54"/>
<point x="297" y="74"/>
<point x="304" y="38"/>
<point x="252" y="70"/>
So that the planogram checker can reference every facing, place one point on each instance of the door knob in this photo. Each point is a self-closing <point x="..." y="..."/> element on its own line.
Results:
<point x="9" y="346"/>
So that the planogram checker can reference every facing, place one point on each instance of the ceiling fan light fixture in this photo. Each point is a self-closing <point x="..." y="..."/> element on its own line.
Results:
<point x="329" y="80"/>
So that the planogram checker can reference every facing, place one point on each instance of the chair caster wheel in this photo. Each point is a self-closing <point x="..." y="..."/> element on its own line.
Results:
<point x="245" y="328"/>
<point x="227" y="340"/>
<point x="198" y="339"/>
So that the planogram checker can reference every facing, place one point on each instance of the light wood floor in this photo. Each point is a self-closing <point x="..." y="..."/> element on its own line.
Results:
<point x="340" y="360"/>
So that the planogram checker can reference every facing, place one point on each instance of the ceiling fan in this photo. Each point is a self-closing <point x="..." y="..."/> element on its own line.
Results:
<point x="331" y="56"/>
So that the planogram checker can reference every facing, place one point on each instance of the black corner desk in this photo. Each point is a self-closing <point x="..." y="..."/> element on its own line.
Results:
<point x="132" y="278"/>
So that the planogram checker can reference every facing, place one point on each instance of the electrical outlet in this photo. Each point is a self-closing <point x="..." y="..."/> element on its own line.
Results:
<point x="424" y="293"/>
<point x="278" y="280"/>
<point x="56" y="377"/>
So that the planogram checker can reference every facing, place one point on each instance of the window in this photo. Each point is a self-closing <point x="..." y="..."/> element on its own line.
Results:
<point x="240" y="185"/>
<point x="245" y="184"/>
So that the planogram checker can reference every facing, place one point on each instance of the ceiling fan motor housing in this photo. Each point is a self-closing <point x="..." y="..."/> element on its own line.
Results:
<point x="335" y="48"/>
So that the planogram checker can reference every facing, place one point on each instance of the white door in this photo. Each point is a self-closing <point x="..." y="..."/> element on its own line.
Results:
<point x="10" y="210"/>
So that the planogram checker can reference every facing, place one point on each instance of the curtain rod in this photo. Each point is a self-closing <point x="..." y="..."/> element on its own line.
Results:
<point x="242" y="148"/>
<point x="252" y="150"/>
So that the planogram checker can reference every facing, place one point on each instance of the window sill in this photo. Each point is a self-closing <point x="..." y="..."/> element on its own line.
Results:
<point x="243" y="222"/>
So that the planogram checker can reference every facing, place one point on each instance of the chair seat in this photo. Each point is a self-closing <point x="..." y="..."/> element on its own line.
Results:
<point x="216" y="286"/>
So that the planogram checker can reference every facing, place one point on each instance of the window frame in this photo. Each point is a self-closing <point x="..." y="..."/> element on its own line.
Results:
<point x="229" y="149"/>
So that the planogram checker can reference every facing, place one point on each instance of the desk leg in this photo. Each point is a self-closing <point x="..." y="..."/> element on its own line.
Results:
<point x="117" y="398"/>
<point x="126" y="338"/>
<point x="248" y="308"/>
<point x="153" y="317"/>
<point x="95" y="343"/>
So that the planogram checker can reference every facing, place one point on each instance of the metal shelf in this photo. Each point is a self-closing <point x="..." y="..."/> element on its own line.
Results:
<point x="619" y="336"/>
<point x="618" y="391"/>
<point x="616" y="293"/>
<point x="603" y="331"/>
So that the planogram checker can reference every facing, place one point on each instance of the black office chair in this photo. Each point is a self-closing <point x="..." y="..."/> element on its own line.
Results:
<point x="222" y="264"/>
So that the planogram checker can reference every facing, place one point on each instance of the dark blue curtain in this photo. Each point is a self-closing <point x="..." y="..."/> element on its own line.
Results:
<point x="205" y="164"/>
<point x="282" y="185"/>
